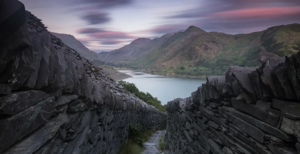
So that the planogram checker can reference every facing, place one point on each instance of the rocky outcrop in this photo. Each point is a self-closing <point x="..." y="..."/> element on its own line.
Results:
<point x="52" y="100"/>
<point x="247" y="111"/>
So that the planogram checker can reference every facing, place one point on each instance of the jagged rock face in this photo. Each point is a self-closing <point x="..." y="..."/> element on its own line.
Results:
<point x="52" y="100"/>
<point x="248" y="111"/>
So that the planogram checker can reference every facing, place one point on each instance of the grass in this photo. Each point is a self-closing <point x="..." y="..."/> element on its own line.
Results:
<point x="136" y="138"/>
<point x="162" y="143"/>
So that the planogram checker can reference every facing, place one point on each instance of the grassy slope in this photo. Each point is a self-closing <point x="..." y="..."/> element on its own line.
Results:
<point x="196" y="53"/>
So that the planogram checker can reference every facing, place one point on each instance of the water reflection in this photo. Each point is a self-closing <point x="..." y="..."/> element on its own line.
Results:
<point x="164" y="88"/>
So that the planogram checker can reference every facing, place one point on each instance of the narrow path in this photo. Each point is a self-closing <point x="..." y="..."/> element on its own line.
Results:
<point x="152" y="145"/>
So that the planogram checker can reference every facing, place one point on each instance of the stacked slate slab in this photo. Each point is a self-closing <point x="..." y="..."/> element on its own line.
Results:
<point x="54" y="101"/>
<point x="247" y="111"/>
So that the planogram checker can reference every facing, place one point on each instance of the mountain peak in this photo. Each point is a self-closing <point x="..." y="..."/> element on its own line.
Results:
<point x="141" y="40"/>
<point x="194" y="29"/>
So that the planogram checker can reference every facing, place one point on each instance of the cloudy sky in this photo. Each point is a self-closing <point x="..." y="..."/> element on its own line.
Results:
<point x="104" y="25"/>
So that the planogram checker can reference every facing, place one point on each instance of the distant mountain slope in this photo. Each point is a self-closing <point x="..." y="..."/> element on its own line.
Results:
<point x="72" y="42"/>
<point x="133" y="50"/>
<point x="195" y="52"/>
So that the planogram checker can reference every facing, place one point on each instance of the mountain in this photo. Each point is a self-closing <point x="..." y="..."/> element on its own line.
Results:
<point x="194" y="52"/>
<point x="72" y="42"/>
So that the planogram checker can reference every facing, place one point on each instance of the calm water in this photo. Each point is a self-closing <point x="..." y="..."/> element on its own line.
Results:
<point x="164" y="88"/>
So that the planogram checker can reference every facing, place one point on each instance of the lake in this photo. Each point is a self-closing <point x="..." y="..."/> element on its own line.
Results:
<point x="162" y="87"/>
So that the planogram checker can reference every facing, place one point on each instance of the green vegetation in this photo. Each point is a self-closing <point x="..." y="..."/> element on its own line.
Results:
<point x="136" y="138"/>
<point x="162" y="143"/>
<point x="195" y="53"/>
<point x="146" y="97"/>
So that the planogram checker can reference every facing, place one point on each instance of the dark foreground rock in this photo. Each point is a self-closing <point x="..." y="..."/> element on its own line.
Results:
<point x="52" y="100"/>
<point x="254" y="111"/>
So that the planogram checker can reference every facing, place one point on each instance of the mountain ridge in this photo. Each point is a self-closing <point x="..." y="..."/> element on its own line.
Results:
<point x="194" y="52"/>
<point x="71" y="41"/>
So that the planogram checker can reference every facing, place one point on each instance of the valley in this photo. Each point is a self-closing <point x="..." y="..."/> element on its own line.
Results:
<point x="196" y="53"/>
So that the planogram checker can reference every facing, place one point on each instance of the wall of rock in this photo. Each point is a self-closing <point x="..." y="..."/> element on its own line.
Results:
<point x="247" y="111"/>
<point x="52" y="100"/>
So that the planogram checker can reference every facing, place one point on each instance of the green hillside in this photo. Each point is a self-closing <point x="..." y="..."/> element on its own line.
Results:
<point x="195" y="52"/>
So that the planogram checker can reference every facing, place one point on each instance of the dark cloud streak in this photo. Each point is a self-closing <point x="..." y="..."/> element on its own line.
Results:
<point x="103" y="4"/>
<point x="90" y="30"/>
<point x="111" y="42"/>
<point x="96" y="18"/>
<point x="106" y="37"/>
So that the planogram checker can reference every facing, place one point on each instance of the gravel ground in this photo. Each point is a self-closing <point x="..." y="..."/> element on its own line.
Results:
<point x="152" y="144"/>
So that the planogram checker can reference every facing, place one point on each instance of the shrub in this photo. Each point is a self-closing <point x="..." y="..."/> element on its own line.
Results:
<point x="146" y="97"/>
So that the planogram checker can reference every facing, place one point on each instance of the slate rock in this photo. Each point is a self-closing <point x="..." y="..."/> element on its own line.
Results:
<point x="263" y="126"/>
<point x="226" y="103"/>
<point x="276" y="141"/>
<point x="281" y="150"/>
<point x="217" y="149"/>
<point x="65" y="99"/>
<point x="268" y="84"/>
<point x="16" y="102"/>
<point x="291" y="127"/>
<point x="283" y="83"/>
<point x="213" y="125"/>
<point x="292" y="73"/>
<point x="248" y="141"/>
<point x="289" y="109"/>
<point x="241" y="74"/>
<point x="298" y="147"/>
<point x="38" y="138"/>
<point x="242" y="147"/>
<point x="232" y="83"/>
<point x="267" y="117"/>
<point x="5" y="89"/>
<point x="255" y="80"/>
<point x="265" y="106"/>
<point x="249" y="129"/>
<point x="18" y="126"/>
<point x="271" y="57"/>
<point x="243" y="96"/>
<point x="227" y="151"/>
<point x="77" y="106"/>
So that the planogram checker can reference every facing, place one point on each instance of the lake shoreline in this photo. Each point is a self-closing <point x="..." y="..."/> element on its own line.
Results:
<point x="175" y="76"/>
<point x="115" y="74"/>
<point x="163" y="87"/>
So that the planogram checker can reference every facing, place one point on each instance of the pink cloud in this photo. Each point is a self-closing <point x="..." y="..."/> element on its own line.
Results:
<point x="258" y="12"/>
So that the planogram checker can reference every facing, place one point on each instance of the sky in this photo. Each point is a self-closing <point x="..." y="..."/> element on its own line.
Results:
<point x="105" y="25"/>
